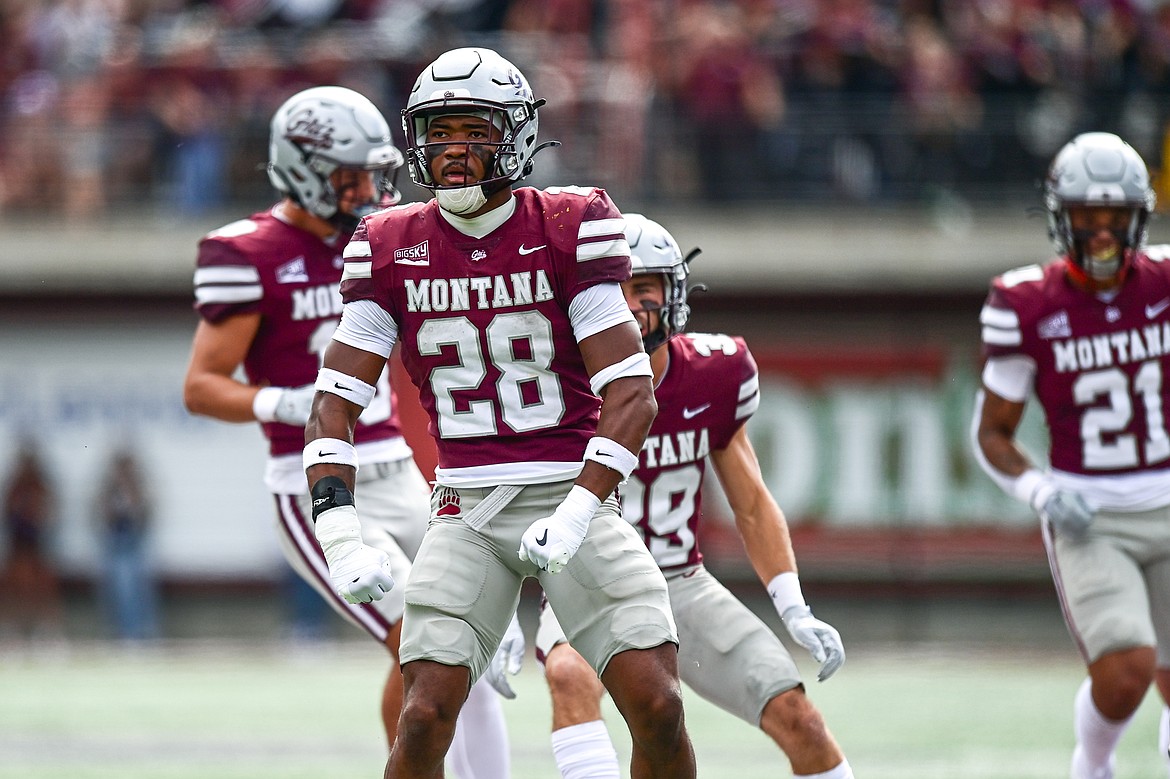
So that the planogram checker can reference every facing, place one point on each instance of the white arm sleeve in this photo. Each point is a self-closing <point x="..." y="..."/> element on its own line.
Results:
<point x="1010" y="377"/>
<point x="365" y="325"/>
<point x="598" y="308"/>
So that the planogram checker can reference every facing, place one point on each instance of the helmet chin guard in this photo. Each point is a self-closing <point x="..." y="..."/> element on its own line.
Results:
<point x="321" y="130"/>
<point x="1097" y="170"/>
<point x="460" y="200"/>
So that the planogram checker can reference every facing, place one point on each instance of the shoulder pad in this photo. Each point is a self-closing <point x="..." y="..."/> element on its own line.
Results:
<point x="1021" y="275"/>
<point x="1158" y="252"/>
<point x="234" y="229"/>
<point x="707" y="344"/>
<point x="571" y="190"/>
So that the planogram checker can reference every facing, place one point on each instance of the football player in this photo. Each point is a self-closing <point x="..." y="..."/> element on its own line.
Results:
<point x="266" y="289"/>
<point x="506" y="302"/>
<point x="707" y="387"/>
<point x="1088" y="335"/>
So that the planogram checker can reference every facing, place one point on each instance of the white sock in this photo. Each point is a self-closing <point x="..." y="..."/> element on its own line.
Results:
<point x="1164" y="737"/>
<point x="585" y="752"/>
<point x="840" y="771"/>
<point x="1096" y="735"/>
<point x="480" y="748"/>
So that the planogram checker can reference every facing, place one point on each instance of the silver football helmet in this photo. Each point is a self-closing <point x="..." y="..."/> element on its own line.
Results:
<point x="477" y="82"/>
<point x="653" y="250"/>
<point x="320" y="130"/>
<point x="1097" y="169"/>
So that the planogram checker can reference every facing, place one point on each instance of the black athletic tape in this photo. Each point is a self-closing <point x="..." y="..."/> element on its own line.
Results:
<point x="328" y="493"/>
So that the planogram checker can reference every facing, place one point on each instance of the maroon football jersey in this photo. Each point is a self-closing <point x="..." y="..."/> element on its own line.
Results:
<point x="262" y="264"/>
<point x="1100" y="362"/>
<point x="484" y="323"/>
<point x="710" y="389"/>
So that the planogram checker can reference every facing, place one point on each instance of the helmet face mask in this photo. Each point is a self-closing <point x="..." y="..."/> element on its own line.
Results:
<point x="322" y="132"/>
<point x="1102" y="259"/>
<point x="339" y="190"/>
<point x="480" y="83"/>
<point x="1098" y="173"/>
<point x="653" y="251"/>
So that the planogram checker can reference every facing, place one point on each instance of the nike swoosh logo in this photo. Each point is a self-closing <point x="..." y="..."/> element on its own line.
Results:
<point x="691" y="413"/>
<point x="325" y="454"/>
<point x="543" y="539"/>
<point x="1157" y="308"/>
<point x="341" y="387"/>
<point x="525" y="250"/>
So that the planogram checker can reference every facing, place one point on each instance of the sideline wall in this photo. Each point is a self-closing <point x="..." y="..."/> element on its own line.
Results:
<point x="864" y="323"/>
<point x="862" y="436"/>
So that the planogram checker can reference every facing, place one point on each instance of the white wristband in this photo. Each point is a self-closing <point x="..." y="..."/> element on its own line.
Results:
<point x="329" y="450"/>
<point x="612" y="455"/>
<point x="1024" y="487"/>
<point x="265" y="402"/>
<point x="345" y="386"/>
<point x="784" y="590"/>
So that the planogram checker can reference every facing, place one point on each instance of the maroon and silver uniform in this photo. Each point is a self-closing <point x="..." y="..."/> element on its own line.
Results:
<point x="726" y="653"/>
<point x="1100" y="369"/>
<point x="486" y="326"/>
<point x="709" y="391"/>
<point x="1098" y="366"/>
<point x="290" y="277"/>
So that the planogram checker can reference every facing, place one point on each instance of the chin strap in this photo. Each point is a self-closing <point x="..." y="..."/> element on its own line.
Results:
<point x="545" y="145"/>
<point x="345" y="223"/>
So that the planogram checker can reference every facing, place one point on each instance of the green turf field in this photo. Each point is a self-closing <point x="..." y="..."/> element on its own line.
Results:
<point x="261" y="710"/>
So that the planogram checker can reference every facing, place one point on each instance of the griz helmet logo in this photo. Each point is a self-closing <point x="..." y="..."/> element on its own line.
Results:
<point x="519" y="84"/>
<point x="307" y="131"/>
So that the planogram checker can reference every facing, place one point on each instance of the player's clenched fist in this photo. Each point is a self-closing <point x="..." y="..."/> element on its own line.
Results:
<point x="550" y="543"/>
<point x="360" y="573"/>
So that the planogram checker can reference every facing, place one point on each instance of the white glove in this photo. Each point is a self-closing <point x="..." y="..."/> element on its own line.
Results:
<point x="507" y="660"/>
<point x="821" y="639"/>
<point x="1067" y="512"/>
<point x="290" y="405"/>
<point x="360" y="573"/>
<point x="550" y="543"/>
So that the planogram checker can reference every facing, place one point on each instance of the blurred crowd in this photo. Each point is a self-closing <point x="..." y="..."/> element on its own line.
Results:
<point x="32" y="598"/>
<point x="164" y="104"/>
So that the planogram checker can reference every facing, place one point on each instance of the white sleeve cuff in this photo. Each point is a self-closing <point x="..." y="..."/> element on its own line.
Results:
<point x="1009" y="377"/>
<point x="265" y="402"/>
<point x="365" y="325"/>
<point x="598" y="308"/>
